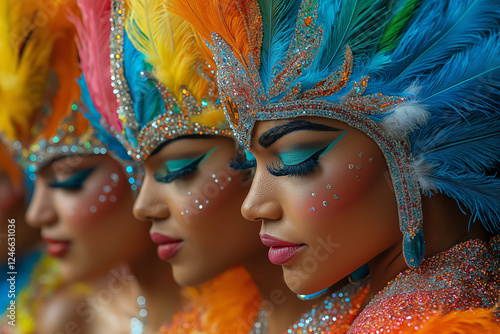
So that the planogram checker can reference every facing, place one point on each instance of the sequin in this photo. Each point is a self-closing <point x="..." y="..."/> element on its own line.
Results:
<point x="464" y="277"/>
<point x="335" y="313"/>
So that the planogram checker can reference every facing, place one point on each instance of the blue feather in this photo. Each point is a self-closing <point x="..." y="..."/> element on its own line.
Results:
<point x="91" y="113"/>
<point x="478" y="192"/>
<point x="278" y="22"/>
<point x="147" y="100"/>
<point x="438" y="30"/>
<point x="359" y="24"/>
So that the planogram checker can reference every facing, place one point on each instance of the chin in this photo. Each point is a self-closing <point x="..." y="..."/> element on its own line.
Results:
<point x="303" y="283"/>
<point x="189" y="277"/>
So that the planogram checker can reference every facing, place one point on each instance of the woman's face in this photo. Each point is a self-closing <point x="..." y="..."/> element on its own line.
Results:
<point x="325" y="199"/>
<point x="194" y="200"/>
<point x="83" y="206"/>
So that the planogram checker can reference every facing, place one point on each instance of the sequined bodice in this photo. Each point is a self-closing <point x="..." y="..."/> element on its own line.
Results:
<point x="464" y="277"/>
<point x="335" y="313"/>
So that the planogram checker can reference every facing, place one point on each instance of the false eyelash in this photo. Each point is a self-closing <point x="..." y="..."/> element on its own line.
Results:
<point x="172" y="176"/>
<point x="301" y="169"/>
<point x="238" y="164"/>
<point x="75" y="182"/>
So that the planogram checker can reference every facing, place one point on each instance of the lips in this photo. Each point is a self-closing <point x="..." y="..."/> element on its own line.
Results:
<point x="57" y="248"/>
<point x="281" y="251"/>
<point x="167" y="247"/>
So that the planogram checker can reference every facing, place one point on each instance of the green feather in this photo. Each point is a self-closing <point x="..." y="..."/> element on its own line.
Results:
<point x="391" y="37"/>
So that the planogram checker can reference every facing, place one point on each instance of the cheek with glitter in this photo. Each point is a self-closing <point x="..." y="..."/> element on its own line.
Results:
<point x="203" y="198"/>
<point x="342" y="184"/>
<point x="97" y="199"/>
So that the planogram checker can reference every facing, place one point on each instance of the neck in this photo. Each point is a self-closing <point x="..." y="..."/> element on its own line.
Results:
<point x="282" y="307"/>
<point x="444" y="226"/>
<point x="156" y="284"/>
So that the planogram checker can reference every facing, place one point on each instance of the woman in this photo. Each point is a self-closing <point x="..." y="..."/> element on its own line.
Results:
<point x="190" y="192"/>
<point x="83" y="195"/>
<point x="366" y="106"/>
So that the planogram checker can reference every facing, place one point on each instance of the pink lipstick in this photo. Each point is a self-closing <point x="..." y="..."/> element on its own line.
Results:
<point x="281" y="251"/>
<point x="57" y="248"/>
<point x="167" y="247"/>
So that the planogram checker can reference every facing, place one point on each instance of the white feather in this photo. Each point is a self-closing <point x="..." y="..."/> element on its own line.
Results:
<point x="404" y="119"/>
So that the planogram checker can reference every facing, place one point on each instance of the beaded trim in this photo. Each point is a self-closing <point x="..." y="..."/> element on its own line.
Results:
<point x="67" y="144"/>
<point x="175" y="121"/>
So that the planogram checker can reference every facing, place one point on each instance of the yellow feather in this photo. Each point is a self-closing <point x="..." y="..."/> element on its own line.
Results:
<point x="171" y="47"/>
<point x="36" y="39"/>
<point x="168" y="44"/>
<point x="24" y="67"/>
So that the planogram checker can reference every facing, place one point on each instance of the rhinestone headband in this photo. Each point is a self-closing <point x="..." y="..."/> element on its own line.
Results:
<point x="178" y="118"/>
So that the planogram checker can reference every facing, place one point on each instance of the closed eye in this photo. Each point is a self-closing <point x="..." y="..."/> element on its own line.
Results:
<point x="174" y="169"/>
<point x="300" y="162"/>
<point x="75" y="182"/>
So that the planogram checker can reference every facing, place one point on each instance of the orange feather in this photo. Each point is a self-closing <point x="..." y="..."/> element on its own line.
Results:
<point x="226" y="17"/>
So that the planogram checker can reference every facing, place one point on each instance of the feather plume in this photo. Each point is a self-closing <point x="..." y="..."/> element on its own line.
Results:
<point x="438" y="30"/>
<point x="94" y="117"/>
<point x="227" y="17"/>
<point x="147" y="100"/>
<point x="278" y="22"/>
<point x="24" y="69"/>
<point x="93" y="44"/>
<point x="391" y="37"/>
<point x="65" y="64"/>
<point x="169" y="45"/>
<point x="358" y="24"/>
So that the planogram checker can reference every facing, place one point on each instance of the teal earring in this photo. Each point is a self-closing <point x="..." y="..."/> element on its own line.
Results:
<point x="359" y="274"/>
<point x="414" y="248"/>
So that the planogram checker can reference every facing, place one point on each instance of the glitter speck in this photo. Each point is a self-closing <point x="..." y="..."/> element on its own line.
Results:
<point x="93" y="209"/>
<point x="360" y="154"/>
<point x="107" y="189"/>
<point x="370" y="160"/>
<point x="102" y="198"/>
<point x="313" y="194"/>
<point x="115" y="177"/>
<point x="312" y="209"/>
<point x="336" y="196"/>
<point x="200" y="207"/>
<point x="325" y="203"/>
<point x="358" y="166"/>
<point x="328" y="186"/>
<point x="189" y="193"/>
<point x="351" y="166"/>
<point x="113" y="198"/>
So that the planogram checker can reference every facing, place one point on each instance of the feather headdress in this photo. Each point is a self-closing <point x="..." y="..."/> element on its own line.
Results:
<point x="38" y="83"/>
<point x="421" y="78"/>
<point x="163" y="85"/>
<point x="98" y="101"/>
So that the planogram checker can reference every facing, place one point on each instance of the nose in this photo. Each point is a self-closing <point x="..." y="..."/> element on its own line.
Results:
<point x="150" y="204"/>
<point x="41" y="209"/>
<point x="262" y="201"/>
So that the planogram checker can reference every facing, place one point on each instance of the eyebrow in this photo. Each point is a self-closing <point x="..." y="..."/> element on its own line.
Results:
<point x="272" y="135"/>
<point x="170" y="141"/>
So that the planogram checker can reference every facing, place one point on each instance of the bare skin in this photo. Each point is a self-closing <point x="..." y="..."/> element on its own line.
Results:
<point x="346" y="199"/>
<point x="216" y="237"/>
<point x="97" y="223"/>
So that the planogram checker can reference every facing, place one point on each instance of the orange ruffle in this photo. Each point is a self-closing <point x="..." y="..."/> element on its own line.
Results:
<point x="227" y="304"/>
<point x="474" y="321"/>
